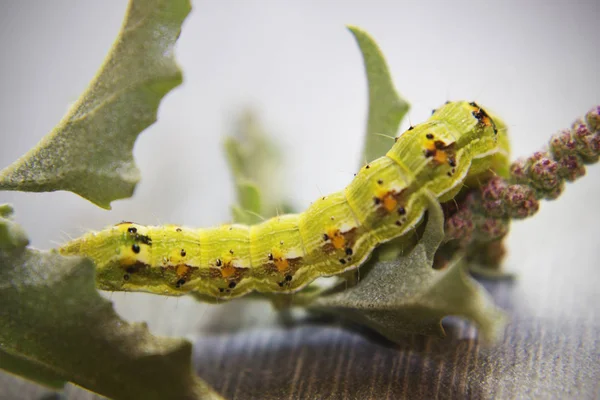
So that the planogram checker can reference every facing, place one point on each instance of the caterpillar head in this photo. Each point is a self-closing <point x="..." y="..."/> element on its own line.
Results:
<point x="122" y="254"/>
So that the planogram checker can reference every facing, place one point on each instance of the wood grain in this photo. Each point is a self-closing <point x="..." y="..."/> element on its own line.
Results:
<point x="539" y="358"/>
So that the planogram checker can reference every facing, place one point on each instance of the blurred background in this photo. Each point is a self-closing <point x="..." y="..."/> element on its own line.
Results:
<point x="534" y="63"/>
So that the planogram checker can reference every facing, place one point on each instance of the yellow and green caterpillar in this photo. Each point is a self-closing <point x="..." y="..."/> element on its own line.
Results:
<point x="459" y="144"/>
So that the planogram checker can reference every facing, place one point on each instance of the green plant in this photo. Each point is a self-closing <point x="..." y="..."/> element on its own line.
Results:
<point x="37" y="350"/>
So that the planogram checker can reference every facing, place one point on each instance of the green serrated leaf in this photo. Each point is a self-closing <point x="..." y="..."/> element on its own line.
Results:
<point x="248" y="211"/>
<point x="408" y="296"/>
<point x="254" y="161"/>
<point x="386" y="107"/>
<point x="55" y="327"/>
<point x="90" y="151"/>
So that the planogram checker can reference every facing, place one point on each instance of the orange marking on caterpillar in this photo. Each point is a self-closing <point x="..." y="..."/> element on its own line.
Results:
<point x="282" y="264"/>
<point x="440" y="157"/>
<point x="337" y="239"/>
<point x="483" y="118"/>
<point x="182" y="270"/>
<point x="278" y="257"/>
<point x="437" y="149"/>
<point x="389" y="201"/>
<point x="227" y="270"/>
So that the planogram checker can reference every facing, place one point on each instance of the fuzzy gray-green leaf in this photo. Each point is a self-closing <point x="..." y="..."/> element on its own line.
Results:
<point x="55" y="327"/>
<point x="408" y="296"/>
<point x="90" y="151"/>
<point x="386" y="107"/>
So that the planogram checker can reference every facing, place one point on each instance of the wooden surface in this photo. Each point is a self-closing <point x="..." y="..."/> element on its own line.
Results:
<point x="539" y="358"/>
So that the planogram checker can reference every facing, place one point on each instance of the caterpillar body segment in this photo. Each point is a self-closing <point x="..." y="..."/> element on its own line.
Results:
<point x="338" y="232"/>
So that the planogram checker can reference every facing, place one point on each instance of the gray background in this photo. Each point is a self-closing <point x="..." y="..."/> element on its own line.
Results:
<point x="534" y="63"/>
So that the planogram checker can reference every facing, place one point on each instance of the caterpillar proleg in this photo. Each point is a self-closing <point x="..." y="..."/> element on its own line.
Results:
<point x="460" y="143"/>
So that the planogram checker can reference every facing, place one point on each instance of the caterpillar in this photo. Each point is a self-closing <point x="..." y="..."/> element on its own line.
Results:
<point x="458" y="145"/>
